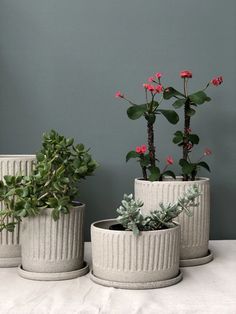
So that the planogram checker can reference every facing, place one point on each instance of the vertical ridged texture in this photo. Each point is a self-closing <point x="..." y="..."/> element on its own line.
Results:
<point x="14" y="165"/>
<point x="194" y="229"/>
<point x="122" y="256"/>
<point x="53" y="246"/>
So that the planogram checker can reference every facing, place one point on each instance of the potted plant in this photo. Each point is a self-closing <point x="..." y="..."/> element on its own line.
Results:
<point x="10" y="250"/>
<point x="137" y="251"/>
<point x="158" y="185"/>
<point x="52" y="219"/>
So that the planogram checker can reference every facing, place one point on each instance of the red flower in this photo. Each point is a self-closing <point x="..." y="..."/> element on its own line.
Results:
<point x="143" y="149"/>
<point x="169" y="160"/>
<point x="145" y="85"/>
<point x="159" y="88"/>
<point x="151" y="79"/>
<point x="138" y="149"/>
<point x="151" y="88"/>
<point x="217" y="80"/>
<point x="207" y="152"/>
<point x="118" y="94"/>
<point x="158" y="75"/>
<point x="186" y="74"/>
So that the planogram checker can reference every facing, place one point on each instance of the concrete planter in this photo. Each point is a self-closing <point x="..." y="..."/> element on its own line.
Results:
<point x="195" y="229"/>
<point x="122" y="260"/>
<point x="10" y="251"/>
<point x="53" y="250"/>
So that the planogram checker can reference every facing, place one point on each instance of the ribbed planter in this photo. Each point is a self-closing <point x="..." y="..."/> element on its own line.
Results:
<point x="195" y="229"/>
<point x="122" y="260"/>
<point x="10" y="251"/>
<point x="53" y="250"/>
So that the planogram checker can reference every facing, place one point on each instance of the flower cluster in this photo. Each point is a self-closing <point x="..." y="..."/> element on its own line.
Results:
<point x="141" y="149"/>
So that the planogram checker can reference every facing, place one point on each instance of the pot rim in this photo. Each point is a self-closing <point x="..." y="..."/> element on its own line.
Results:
<point x="198" y="180"/>
<point x="13" y="156"/>
<point x="93" y="226"/>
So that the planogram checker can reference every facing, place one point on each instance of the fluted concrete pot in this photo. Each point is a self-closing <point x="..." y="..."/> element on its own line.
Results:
<point x="10" y="250"/>
<point x="122" y="260"/>
<point x="195" y="229"/>
<point x="53" y="250"/>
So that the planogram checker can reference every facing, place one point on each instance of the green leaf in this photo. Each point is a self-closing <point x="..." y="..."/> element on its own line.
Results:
<point x="179" y="103"/>
<point x="135" y="112"/>
<point x="55" y="214"/>
<point x="132" y="154"/>
<point x="178" y="137"/>
<point x="155" y="173"/>
<point x="169" y="173"/>
<point x="151" y="118"/>
<point x="190" y="112"/>
<point x="170" y="115"/>
<point x="8" y="179"/>
<point x="171" y="92"/>
<point x="194" y="139"/>
<point x="187" y="168"/>
<point x="204" y="165"/>
<point x="199" y="97"/>
<point x="40" y="157"/>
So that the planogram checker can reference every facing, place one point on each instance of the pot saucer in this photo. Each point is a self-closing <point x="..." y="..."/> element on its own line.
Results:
<point x="9" y="262"/>
<point x="197" y="261"/>
<point x="53" y="276"/>
<point x="137" y="285"/>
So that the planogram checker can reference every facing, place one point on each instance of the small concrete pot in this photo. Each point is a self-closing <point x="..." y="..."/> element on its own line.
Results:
<point x="10" y="251"/>
<point x="195" y="229"/>
<point x="53" y="250"/>
<point x="122" y="260"/>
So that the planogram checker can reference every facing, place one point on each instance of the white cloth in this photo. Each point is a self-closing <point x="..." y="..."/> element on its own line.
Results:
<point x="206" y="289"/>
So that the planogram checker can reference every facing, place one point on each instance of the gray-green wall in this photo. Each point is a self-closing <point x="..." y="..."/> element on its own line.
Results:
<point x="61" y="62"/>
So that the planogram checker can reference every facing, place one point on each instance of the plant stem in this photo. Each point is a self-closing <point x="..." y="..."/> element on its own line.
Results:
<point x="186" y="127"/>
<point x="144" y="170"/>
<point x="151" y="147"/>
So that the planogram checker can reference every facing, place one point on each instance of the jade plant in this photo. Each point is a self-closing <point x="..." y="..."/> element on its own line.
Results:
<point x="185" y="138"/>
<point x="149" y="111"/>
<point x="53" y="184"/>
<point x="131" y="217"/>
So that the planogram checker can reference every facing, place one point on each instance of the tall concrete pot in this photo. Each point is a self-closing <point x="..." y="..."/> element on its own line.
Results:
<point x="10" y="251"/>
<point x="122" y="260"/>
<point x="194" y="230"/>
<point x="53" y="250"/>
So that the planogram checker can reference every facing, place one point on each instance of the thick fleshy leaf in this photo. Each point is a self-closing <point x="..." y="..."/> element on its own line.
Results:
<point x="135" y="112"/>
<point x="170" y="115"/>
<point x="131" y="154"/>
<point x="199" y="97"/>
<point x="179" y="103"/>
<point x="204" y="165"/>
<point x="171" y="92"/>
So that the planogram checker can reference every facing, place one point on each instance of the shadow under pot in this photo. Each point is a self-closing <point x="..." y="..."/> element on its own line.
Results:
<point x="53" y="250"/>
<point x="10" y="249"/>
<point x="123" y="260"/>
<point x="195" y="229"/>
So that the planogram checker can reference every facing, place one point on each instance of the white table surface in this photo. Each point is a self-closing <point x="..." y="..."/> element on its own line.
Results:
<point x="210" y="288"/>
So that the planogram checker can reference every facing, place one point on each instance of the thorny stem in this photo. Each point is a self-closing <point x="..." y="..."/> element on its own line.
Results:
<point x="186" y="126"/>
<point x="151" y="147"/>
